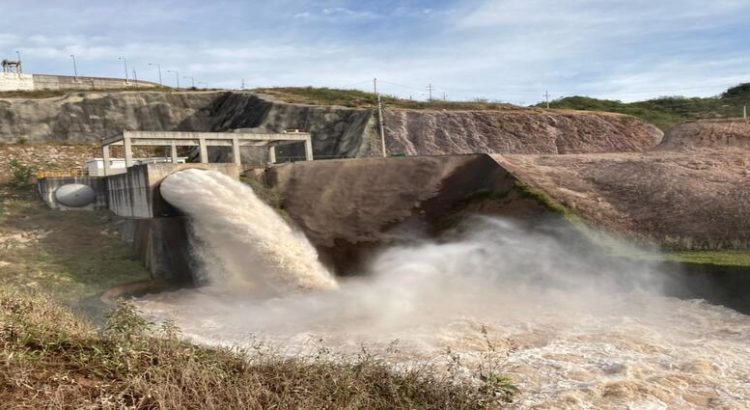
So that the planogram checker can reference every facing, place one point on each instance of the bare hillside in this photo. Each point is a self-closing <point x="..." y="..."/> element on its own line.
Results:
<point x="708" y="134"/>
<point x="521" y="131"/>
<point x="697" y="200"/>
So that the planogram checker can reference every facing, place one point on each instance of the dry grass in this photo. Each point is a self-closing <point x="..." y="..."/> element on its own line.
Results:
<point x="362" y="99"/>
<point x="51" y="359"/>
<point x="73" y="255"/>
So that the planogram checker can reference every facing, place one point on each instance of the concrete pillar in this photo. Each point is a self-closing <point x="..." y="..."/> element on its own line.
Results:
<point x="308" y="149"/>
<point x="128" y="151"/>
<point x="271" y="154"/>
<point x="236" y="151"/>
<point x="105" y="159"/>
<point x="203" y="150"/>
<point x="173" y="152"/>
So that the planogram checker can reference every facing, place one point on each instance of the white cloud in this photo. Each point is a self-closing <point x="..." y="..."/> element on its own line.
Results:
<point x="510" y="50"/>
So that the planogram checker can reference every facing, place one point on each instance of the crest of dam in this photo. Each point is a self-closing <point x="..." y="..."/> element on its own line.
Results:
<point x="239" y="241"/>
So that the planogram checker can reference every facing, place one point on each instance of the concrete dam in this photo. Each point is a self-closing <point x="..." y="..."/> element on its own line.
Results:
<point x="536" y="294"/>
<point x="437" y="252"/>
<point x="476" y="254"/>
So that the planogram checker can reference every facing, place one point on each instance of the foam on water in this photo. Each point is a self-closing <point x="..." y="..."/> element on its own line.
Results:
<point x="572" y="328"/>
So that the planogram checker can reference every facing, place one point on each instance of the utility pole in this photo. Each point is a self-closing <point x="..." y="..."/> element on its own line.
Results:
<point x="445" y="97"/>
<point x="125" y="62"/>
<point x="20" y="66"/>
<point x="546" y="97"/>
<point x="242" y="87"/>
<point x="135" y="77"/>
<point x="158" y="66"/>
<point x="176" y="77"/>
<point x="380" y="116"/>
<point x="429" y="92"/>
<point x="75" y="69"/>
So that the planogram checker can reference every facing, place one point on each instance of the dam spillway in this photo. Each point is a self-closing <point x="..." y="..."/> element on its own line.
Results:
<point x="239" y="240"/>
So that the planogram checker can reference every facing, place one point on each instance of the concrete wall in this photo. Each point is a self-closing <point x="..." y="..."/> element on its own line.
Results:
<point x="16" y="82"/>
<point x="48" y="186"/>
<point x="29" y="82"/>
<point x="163" y="246"/>
<point x="61" y="82"/>
<point x="136" y="194"/>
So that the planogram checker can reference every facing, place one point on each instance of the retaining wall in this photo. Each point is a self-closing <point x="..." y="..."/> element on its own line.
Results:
<point x="30" y="82"/>
<point x="16" y="82"/>
<point x="162" y="245"/>
<point x="48" y="186"/>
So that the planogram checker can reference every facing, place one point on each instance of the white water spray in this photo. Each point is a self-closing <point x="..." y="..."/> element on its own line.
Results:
<point x="241" y="242"/>
<point x="574" y="329"/>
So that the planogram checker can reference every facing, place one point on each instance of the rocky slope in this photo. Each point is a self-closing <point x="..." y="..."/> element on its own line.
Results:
<point x="708" y="134"/>
<point x="87" y="117"/>
<point x="338" y="132"/>
<point x="43" y="158"/>
<point x="521" y="131"/>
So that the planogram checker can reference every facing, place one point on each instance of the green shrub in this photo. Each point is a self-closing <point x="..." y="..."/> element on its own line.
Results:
<point x="21" y="173"/>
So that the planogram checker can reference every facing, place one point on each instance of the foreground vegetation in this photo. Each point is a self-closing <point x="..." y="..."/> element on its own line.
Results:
<point x="666" y="112"/>
<point x="52" y="359"/>
<point x="54" y="265"/>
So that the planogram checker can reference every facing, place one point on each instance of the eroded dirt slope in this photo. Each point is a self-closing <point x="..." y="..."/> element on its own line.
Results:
<point x="520" y="131"/>
<point x="708" y="134"/>
<point x="696" y="200"/>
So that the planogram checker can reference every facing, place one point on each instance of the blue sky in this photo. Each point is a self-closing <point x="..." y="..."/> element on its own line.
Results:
<point x="508" y="50"/>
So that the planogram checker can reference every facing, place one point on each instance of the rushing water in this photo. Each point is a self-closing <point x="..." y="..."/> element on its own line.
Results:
<point x="241" y="242"/>
<point x="574" y="329"/>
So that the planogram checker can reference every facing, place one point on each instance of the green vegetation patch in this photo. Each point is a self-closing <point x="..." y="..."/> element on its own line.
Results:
<point x="74" y="255"/>
<point x="719" y="258"/>
<point x="666" y="112"/>
<point x="525" y="191"/>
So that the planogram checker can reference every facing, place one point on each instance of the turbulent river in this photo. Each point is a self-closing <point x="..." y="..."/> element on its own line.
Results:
<point x="572" y="328"/>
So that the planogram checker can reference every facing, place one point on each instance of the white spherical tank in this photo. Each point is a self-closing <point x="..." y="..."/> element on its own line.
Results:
<point x="75" y="195"/>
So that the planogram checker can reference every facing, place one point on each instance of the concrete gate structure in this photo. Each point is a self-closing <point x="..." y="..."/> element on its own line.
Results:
<point x="203" y="140"/>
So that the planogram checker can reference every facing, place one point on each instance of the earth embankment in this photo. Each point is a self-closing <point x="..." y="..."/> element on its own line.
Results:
<point x="685" y="200"/>
<point x="716" y="134"/>
<point x="516" y="131"/>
